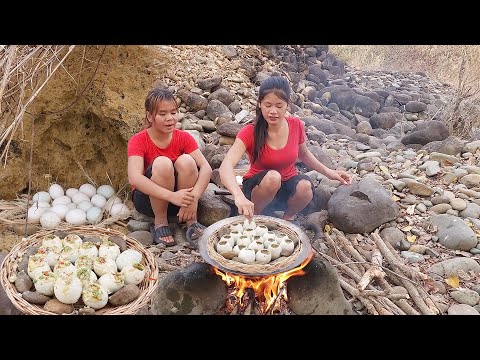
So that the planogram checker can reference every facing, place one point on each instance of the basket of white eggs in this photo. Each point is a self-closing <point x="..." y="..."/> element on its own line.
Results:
<point x="260" y="246"/>
<point x="85" y="205"/>
<point x="101" y="270"/>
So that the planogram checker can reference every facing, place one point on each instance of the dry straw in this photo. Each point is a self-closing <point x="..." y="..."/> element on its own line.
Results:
<point x="147" y="286"/>
<point x="213" y="234"/>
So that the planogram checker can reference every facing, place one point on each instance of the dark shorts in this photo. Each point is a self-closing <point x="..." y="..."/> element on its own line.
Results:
<point x="279" y="202"/>
<point x="142" y="201"/>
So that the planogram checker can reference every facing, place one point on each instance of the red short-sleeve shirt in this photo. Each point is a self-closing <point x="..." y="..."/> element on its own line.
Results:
<point x="141" y="145"/>
<point x="282" y="160"/>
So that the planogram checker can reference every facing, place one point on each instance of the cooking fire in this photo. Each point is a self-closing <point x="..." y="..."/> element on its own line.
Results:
<point x="264" y="292"/>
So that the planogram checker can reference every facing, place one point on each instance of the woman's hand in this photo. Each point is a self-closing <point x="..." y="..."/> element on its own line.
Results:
<point x="245" y="206"/>
<point x="341" y="176"/>
<point x="182" y="197"/>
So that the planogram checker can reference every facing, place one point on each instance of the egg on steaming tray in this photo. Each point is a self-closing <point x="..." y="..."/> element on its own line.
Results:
<point x="68" y="289"/>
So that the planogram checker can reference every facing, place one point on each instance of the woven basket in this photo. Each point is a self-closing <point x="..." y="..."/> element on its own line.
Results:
<point x="212" y="234"/>
<point x="147" y="286"/>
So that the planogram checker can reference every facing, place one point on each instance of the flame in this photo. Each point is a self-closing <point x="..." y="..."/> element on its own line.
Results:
<point x="267" y="288"/>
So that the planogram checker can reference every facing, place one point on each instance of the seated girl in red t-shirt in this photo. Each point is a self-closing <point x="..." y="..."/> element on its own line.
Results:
<point x="166" y="169"/>
<point x="273" y="144"/>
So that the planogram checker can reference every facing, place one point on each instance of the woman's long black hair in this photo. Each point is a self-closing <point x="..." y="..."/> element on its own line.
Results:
<point x="280" y="87"/>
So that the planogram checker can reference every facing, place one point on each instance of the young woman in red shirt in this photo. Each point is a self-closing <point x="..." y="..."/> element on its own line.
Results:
<point x="166" y="169"/>
<point x="273" y="144"/>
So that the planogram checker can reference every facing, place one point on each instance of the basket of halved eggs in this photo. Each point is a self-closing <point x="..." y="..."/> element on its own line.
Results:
<point x="79" y="270"/>
<point x="259" y="246"/>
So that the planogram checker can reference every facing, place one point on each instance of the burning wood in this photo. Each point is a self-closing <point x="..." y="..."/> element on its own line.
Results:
<point x="265" y="291"/>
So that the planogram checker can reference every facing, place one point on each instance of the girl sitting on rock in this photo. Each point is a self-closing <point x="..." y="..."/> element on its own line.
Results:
<point x="273" y="143"/>
<point x="166" y="169"/>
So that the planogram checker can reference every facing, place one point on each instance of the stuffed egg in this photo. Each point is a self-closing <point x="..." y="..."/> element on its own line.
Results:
<point x="95" y="296"/>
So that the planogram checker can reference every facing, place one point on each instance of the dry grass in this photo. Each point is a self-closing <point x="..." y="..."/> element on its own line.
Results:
<point x="24" y="71"/>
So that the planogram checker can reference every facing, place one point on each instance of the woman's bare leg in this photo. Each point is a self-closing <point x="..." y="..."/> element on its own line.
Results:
<point x="187" y="175"/>
<point x="299" y="200"/>
<point x="163" y="175"/>
<point x="263" y="193"/>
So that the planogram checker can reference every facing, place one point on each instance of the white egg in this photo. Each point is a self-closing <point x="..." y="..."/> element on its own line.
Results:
<point x="62" y="200"/>
<point x="103" y="265"/>
<point x="275" y="250"/>
<point x="44" y="283"/>
<point x="41" y="204"/>
<point x="76" y="217"/>
<point x="280" y="237"/>
<point x="37" y="264"/>
<point x="134" y="273"/>
<point x="85" y="205"/>
<point x="72" y="240"/>
<point x="84" y="261"/>
<point x="263" y="256"/>
<point x="72" y="206"/>
<point x="128" y="257"/>
<point x="94" y="215"/>
<point x="69" y="253"/>
<point x="98" y="201"/>
<point x="243" y="240"/>
<point x="119" y="210"/>
<point x="71" y="191"/>
<point x="34" y="214"/>
<point x="95" y="296"/>
<point x="112" y="281"/>
<point x="249" y="232"/>
<point x="106" y="191"/>
<point x="88" y="189"/>
<point x="61" y="210"/>
<point x="50" y="220"/>
<point x="287" y="247"/>
<point x="112" y="201"/>
<point x="79" y="197"/>
<point x="109" y="249"/>
<point x="256" y="245"/>
<point x="269" y="235"/>
<point x="247" y="256"/>
<point x="64" y="268"/>
<point x="237" y="248"/>
<point x="229" y="239"/>
<point x="247" y="225"/>
<point x="268" y="242"/>
<point x="50" y="255"/>
<point x="68" y="289"/>
<point x="86" y="276"/>
<point x="88" y="249"/>
<point x="55" y="191"/>
<point x="224" y="246"/>
<point x="261" y="230"/>
<point x="53" y="242"/>
<point x="235" y="235"/>
<point x="257" y="238"/>
<point x="236" y="227"/>
<point x="42" y="196"/>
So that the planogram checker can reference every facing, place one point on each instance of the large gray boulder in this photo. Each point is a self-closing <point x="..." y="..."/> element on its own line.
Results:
<point x="361" y="207"/>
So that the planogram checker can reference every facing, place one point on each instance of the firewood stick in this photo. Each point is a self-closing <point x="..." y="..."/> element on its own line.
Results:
<point x="375" y="272"/>
<point x="392" y="260"/>
<point x="401" y="303"/>
<point x="417" y="299"/>
<point x="382" y="310"/>
<point x="341" y="255"/>
<point x="366" y="302"/>
<point x="346" y="243"/>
